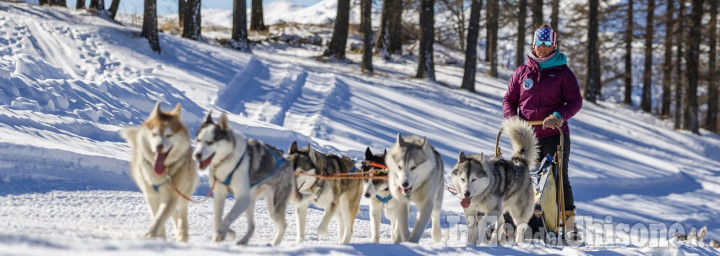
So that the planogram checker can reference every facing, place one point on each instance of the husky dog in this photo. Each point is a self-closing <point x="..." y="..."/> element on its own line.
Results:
<point x="162" y="163"/>
<point x="415" y="175"/>
<point x="491" y="186"/>
<point x="248" y="169"/>
<point x="378" y="191"/>
<point x="339" y="198"/>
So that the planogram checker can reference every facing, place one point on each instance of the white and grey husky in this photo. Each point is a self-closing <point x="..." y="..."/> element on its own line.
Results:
<point x="339" y="198"/>
<point x="247" y="168"/>
<point x="415" y="175"/>
<point x="377" y="190"/>
<point x="490" y="186"/>
<point x="162" y="163"/>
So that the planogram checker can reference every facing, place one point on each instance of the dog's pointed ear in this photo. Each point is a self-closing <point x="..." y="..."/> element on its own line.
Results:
<point x="311" y="154"/>
<point x="156" y="110"/>
<point x="176" y="110"/>
<point x="368" y="153"/>
<point x="384" y="153"/>
<point x="208" y="118"/>
<point x="482" y="156"/>
<point x="223" y="123"/>
<point x="399" y="139"/>
<point x="293" y="148"/>
<point x="461" y="157"/>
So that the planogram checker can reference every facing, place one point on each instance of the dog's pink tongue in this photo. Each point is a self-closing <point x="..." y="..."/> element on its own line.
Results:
<point x="160" y="163"/>
<point x="465" y="202"/>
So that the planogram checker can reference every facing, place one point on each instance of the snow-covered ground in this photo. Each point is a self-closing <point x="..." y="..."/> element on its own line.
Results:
<point x="70" y="80"/>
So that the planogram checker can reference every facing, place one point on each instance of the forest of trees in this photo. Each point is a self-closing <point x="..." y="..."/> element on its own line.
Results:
<point x="658" y="56"/>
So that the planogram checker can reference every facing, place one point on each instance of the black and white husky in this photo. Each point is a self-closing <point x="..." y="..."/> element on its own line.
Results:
<point x="490" y="186"/>
<point x="248" y="169"/>
<point x="339" y="198"/>
<point x="378" y="192"/>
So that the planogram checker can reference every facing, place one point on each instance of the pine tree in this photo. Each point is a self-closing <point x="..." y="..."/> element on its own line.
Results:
<point x="426" y="66"/>
<point x="97" y="4"/>
<point x="150" y="25"/>
<point x="193" y="21"/>
<point x="593" y="89"/>
<point x="520" y="44"/>
<point x="239" y="27"/>
<point x="667" y="63"/>
<point x="679" y="85"/>
<point x="492" y="25"/>
<point x="537" y="9"/>
<point x="114" y="8"/>
<point x="628" y="54"/>
<point x="711" y="120"/>
<point x="256" y="20"/>
<point x="693" y="54"/>
<point x="468" y="82"/>
<point x="555" y="15"/>
<point x="646" y="103"/>
<point x="366" y="26"/>
<point x="389" y="40"/>
<point x="182" y="4"/>
<point x="340" y="31"/>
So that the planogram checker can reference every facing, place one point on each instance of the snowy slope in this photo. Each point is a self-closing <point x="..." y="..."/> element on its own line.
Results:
<point x="69" y="81"/>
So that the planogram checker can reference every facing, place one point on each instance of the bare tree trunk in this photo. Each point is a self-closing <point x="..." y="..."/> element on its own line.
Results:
<point x="593" y="90"/>
<point x="426" y="65"/>
<point x="365" y="23"/>
<point x="460" y="14"/>
<point x="80" y="4"/>
<point x="150" y="25"/>
<point x="679" y="86"/>
<point x="468" y="82"/>
<point x="340" y="31"/>
<point x="667" y="64"/>
<point x="537" y="9"/>
<point x="383" y="40"/>
<point x="97" y="4"/>
<point x="114" y="8"/>
<point x="628" y="54"/>
<point x="193" y="21"/>
<point x="555" y="16"/>
<point x="493" y="10"/>
<point x="239" y="28"/>
<point x="389" y="40"/>
<point x="691" y="115"/>
<point x="42" y="2"/>
<point x="711" y="120"/>
<point x="256" y="19"/>
<point x="646" y="103"/>
<point x="520" y="51"/>
<point x="182" y="4"/>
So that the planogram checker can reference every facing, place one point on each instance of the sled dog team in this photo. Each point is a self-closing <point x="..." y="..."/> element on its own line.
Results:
<point x="164" y="168"/>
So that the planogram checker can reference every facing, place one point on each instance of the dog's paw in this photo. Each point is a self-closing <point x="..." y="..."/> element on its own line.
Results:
<point x="219" y="236"/>
<point x="242" y="242"/>
<point x="323" y="233"/>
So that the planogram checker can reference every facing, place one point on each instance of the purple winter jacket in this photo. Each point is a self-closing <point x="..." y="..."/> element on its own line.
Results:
<point x="538" y="93"/>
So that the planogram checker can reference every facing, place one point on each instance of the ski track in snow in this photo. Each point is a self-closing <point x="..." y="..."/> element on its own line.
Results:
<point x="70" y="80"/>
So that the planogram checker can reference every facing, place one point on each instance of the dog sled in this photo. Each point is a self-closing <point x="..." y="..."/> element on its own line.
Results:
<point x="547" y="221"/>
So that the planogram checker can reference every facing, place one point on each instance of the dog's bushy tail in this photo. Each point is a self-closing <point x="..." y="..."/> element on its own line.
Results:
<point x="523" y="139"/>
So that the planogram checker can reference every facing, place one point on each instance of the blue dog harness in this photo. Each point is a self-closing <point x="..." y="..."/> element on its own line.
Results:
<point x="384" y="200"/>
<point x="278" y="162"/>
